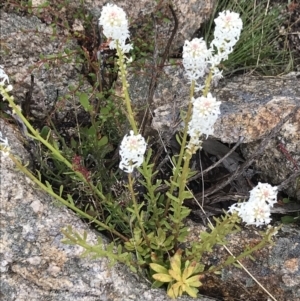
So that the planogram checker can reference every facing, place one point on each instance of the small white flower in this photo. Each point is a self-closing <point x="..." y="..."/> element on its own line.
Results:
<point x="253" y="212"/>
<point x="205" y="113"/>
<point x="228" y="22"/>
<point x="132" y="150"/>
<point x="195" y="55"/>
<point x="4" y="145"/>
<point x="264" y="192"/>
<point x="257" y="210"/>
<point x="206" y="106"/>
<point x="115" y="26"/>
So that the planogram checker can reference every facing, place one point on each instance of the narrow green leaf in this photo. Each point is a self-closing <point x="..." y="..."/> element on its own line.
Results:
<point x="61" y="188"/>
<point x="162" y="277"/>
<point x="158" y="268"/>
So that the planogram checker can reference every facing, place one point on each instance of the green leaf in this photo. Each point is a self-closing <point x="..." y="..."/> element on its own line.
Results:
<point x="84" y="101"/>
<point x="172" y="197"/>
<point x="287" y="219"/>
<point x="104" y="111"/>
<point x="73" y="143"/>
<point x="70" y="199"/>
<point x="103" y="141"/>
<point x="191" y="291"/>
<point x="133" y="269"/>
<point x="162" y="277"/>
<point x="193" y="281"/>
<point x="61" y="188"/>
<point x="156" y="284"/>
<point x="45" y="132"/>
<point x="158" y="268"/>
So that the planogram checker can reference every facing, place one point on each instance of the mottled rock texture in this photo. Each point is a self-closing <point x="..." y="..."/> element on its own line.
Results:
<point x="33" y="48"/>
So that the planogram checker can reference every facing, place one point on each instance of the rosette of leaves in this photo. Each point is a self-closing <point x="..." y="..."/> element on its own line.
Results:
<point x="180" y="277"/>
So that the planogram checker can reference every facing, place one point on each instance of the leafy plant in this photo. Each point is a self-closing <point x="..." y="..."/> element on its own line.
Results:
<point x="147" y="226"/>
<point x="180" y="279"/>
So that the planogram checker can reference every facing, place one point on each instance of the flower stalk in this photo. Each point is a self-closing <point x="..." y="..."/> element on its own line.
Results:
<point x="136" y="209"/>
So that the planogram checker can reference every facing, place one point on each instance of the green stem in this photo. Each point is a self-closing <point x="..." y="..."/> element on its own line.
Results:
<point x="207" y="83"/>
<point x="183" y="145"/>
<point x="231" y="259"/>
<point x="63" y="201"/>
<point x="55" y="152"/>
<point x="125" y="85"/>
<point x="151" y="192"/>
<point x="97" y="250"/>
<point x="136" y="209"/>
<point x="181" y="196"/>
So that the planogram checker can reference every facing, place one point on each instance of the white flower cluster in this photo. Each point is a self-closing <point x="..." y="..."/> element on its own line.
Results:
<point x="132" y="150"/>
<point x="196" y="56"/>
<point x="204" y="115"/>
<point x="227" y="32"/>
<point x="196" y="60"/>
<point x="4" y="145"/>
<point x="115" y="26"/>
<point x="257" y="210"/>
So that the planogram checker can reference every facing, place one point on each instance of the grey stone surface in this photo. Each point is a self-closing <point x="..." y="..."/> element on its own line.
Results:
<point x="33" y="48"/>
<point x="35" y="265"/>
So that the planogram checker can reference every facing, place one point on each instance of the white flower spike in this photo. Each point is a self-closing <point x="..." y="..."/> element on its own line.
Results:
<point x="227" y="32"/>
<point x="257" y="210"/>
<point x="132" y="150"/>
<point x="115" y="26"/>
<point x="195" y="55"/>
<point x="205" y="113"/>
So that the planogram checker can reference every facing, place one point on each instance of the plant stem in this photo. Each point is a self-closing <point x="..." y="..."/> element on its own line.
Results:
<point x="151" y="192"/>
<point x="125" y="85"/>
<point x="136" y="209"/>
<point x="207" y="83"/>
<point x="182" y="148"/>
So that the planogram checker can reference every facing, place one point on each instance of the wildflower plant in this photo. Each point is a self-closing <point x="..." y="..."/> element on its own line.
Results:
<point x="150" y="228"/>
